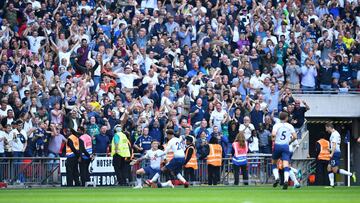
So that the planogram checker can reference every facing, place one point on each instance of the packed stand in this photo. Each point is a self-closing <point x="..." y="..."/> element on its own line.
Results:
<point x="202" y="68"/>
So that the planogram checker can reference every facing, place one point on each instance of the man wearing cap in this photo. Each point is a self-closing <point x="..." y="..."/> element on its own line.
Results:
<point x="121" y="153"/>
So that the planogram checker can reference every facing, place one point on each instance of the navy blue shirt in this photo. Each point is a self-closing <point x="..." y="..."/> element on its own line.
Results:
<point x="156" y="134"/>
<point x="102" y="143"/>
<point x="198" y="116"/>
<point x="144" y="142"/>
<point x="256" y="118"/>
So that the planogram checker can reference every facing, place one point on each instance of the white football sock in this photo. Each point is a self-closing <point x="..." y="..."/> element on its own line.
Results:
<point x="138" y="181"/>
<point x="276" y="173"/>
<point x="293" y="177"/>
<point x="294" y="170"/>
<point x="164" y="184"/>
<point x="181" y="178"/>
<point x="155" y="178"/>
<point x="331" y="178"/>
<point x="286" y="176"/>
<point x="347" y="173"/>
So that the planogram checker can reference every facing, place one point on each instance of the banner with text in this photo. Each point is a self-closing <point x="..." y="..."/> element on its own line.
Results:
<point x="101" y="171"/>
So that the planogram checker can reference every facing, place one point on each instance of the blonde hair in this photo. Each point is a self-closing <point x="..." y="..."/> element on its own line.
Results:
<point x="240" y="138"/>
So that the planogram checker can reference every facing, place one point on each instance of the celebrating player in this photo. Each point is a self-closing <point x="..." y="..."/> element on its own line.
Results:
<point x="333" y="167"/>
<point x="175" y="165"/>
<point x="153" y="170"/>
<point x="284" y="134"/>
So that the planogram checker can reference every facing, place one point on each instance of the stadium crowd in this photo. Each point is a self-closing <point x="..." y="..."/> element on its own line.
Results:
<point x="201" y="68"/>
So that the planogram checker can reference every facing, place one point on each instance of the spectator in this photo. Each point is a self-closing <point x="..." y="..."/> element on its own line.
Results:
<point x="325" y="75"/>
<point x="264" y="140"/>
<point x="217" y="116"/>
<point x="293" y="73"/>
<point x="299" y="114"/>
<point x="247" y="127"/>
<point x="308" y="75"/>
<point x="143" y="143"/>
<point x="102" y="141"/>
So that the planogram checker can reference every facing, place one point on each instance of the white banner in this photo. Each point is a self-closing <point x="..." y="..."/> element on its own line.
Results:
<point x="101" y="171"/>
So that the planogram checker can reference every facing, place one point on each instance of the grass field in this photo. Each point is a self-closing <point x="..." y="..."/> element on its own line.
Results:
<point x="193" y="194"/>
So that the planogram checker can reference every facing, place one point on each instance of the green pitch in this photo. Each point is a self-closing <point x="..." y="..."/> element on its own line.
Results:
<point x="193" y="194"/>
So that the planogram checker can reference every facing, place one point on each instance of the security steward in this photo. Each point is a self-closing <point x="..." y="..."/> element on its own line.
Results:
<point x="322" y="161"/>
<point x="121" y="153"/>
<point x="86" y="155"/>
<point x="214" y="160"/>
<point x="190" y="159"/>
<point x="73" y="158"/>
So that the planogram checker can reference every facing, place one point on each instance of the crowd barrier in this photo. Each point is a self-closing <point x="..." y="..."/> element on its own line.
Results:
<point x="52" y="171"/>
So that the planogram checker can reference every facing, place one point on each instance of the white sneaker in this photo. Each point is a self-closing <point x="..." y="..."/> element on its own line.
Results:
<point x="170" y="184"/>
<point x="138" y="187"/>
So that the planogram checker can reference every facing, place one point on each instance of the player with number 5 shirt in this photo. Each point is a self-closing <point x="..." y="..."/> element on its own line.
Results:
<point x="284" y="134"/>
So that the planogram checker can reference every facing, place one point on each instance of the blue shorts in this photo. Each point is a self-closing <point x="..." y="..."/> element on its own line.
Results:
<point x="175" y="165"/>
<point x="281" y="152"/>
<point x="150" y="171"/>
<point x="335" y="160"/>
<point x="290" y="157"/>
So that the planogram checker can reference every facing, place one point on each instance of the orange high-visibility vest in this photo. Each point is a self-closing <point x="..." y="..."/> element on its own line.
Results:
<point x="169" y="155"/>
<point x="324" y="150"/>
<point x="215" y="155"/>
<point x="192" y="163"/>
<point x="75" y="142"/>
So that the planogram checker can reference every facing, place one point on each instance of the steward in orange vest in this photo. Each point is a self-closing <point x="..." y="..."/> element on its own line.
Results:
<point x="322" y="160"/>
<point x="214" y="161"/>
<point x="191" y="163"/>
<point x="324" y="152"/>
<point x="73" y="156"/>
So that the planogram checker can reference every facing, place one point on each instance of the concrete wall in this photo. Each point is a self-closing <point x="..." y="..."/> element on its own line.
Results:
<point x="332" y="105"/>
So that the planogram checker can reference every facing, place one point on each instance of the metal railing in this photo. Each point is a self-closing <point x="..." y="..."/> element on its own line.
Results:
<point x="332" y="91"/>
<point x="29" y="170"/>
<point x="45" y="171"/>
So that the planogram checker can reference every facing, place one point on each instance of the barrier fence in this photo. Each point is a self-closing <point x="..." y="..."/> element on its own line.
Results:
<point x="52" y="171"/>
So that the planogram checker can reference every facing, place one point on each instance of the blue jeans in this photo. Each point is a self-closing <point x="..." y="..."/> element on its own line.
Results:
<point x="265" y="149"/>
<point x="306" y="88"/>
<point x="325" y="87"/>
<point x="17" y="163"/>
<point x="52" y="163"/>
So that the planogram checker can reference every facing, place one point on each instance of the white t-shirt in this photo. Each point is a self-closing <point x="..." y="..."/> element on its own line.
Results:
<point x="335" y="137"/>
<point x="283" y="132"/>
<point x="177" y="146"/>
<point x="277" y="70"/>
<point x="154" y="79"/>
<point x="155" y="161"/>
<point x="65" y="55"/>
<point x="3" y="113"/>
<point x="247" y="130"/>
<point x="2" y="136"/>
<point x="127" y="80"/>
<point x="19" y="142"/>
<point x="35" y="43"/>
<point x="217" y="117"/>
<point x="256" y="82"/>
<point x="254" y="145"/>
